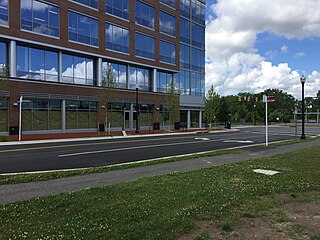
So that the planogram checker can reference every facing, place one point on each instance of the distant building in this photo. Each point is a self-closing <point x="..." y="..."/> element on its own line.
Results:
<point x="58" y="52"/>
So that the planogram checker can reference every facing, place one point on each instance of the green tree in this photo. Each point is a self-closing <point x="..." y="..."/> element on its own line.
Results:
<point x="211" y="106"/>
<point x="223" y="110"/>
<point x="106" y="94"/>
<point x="173" y="103"/>
<point x="4" y="78"/>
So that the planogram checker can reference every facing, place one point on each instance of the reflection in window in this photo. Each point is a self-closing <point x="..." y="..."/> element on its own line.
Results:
<point x="167" y="52"/>
<point x="77" y="70"/>
<point x="198" y="59"/>
<point x="144" y="46"/>
<point x="83" y="29"/>
<point x="163" y="81"/>
<point x="184" y="56"/>
<point x="4" y="13"/>
<point x="117" y="38"/>
<point x="144" y="14"/>
<point x="119" y="8"/>
<point x="40" y="17"/>
<point x="167" y="23"/>
<point x="185" y="8"/>
<point x="139" y="77"/>
<point x="184" y="82"/>
<point x="41" y="114"/>
<point x="3" y="56"/>
<point x="37" y="64"/>
<point x="198" y="38"/>
<point x="89" y="3"/>
<point x="170" y="3"/>
<point x="198" y="12"/>
<point x="184" y="31"/>
<point x="119" y="73"/>
<point x="81" y="114"/>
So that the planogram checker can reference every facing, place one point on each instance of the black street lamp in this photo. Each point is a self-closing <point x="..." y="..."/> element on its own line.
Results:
<point x="303" y="80"/>
<point x="137" y="108"/>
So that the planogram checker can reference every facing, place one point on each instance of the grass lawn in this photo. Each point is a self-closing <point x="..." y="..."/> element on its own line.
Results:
<point x="169" y="206"/>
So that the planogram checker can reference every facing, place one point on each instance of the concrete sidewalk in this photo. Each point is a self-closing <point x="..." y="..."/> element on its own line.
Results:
<point x="25" y="191"/>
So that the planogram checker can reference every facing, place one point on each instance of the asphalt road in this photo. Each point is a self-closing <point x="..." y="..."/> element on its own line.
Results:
<point x="82" y="154"/>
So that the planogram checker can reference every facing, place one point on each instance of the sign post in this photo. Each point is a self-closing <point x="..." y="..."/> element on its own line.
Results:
<point x="267" y="99"/>
<point x="20" y="117"/>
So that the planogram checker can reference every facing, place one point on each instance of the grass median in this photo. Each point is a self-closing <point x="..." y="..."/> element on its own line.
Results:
<point x="170" y="206"/>
<point x="42" y="176"/>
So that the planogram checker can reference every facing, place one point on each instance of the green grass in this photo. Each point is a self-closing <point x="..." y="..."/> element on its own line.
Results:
<point x="164" y="207"/>
<point x="34" y="177"/>
<point x="292" y="141"/>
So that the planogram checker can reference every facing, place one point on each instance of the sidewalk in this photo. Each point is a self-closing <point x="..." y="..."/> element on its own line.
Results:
<point x="25" y="191"/>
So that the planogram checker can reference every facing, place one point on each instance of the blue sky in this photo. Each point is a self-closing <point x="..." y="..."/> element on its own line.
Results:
<point x="253" y="45"/>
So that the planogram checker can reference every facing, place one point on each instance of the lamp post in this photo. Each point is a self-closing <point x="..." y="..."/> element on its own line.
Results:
<point x="137" y="108"/>
<point x="303" y="80"/>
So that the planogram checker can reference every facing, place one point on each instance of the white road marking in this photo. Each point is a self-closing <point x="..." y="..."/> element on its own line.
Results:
<point x="131" y="148"/>
<point x="237" y="141"/>
<point x="204" y="139"/>
<point x="266" y="172"/>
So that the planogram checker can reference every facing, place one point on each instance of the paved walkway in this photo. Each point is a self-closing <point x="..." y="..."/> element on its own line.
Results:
<point x="24" y="191"/>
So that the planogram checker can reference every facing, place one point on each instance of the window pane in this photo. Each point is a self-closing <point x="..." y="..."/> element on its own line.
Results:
<point x="117" y="38"/>
<point x="36" y="70"/>
<point x="144" y="14"/>
<point x="40" y="17"/>
<point x="4" y="12"/>
<point x="167" y="23"/>
<point x="144" y="46"/>
<point x="3" y="54"/>
<point x="51" y="66"/>
<point x="119" y="8"/>
<point x="22" y="62"/>
<point x="83" y="29"/>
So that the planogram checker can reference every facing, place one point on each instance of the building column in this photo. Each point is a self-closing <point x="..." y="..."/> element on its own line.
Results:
<point x="188" y="119"/>
<point x="128" y="76"/>
<point x="154" y="80"/>
<point x="60" y="67"/>
<point x="200" y="119"/>
<point x="99" y="71"/>
<point x="63" y="116"/>
<point x="318" y="112"/>
<point x="13" y="59"/>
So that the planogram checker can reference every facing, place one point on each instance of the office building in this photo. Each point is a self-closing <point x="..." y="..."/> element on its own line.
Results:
<point x="56" y="54"/>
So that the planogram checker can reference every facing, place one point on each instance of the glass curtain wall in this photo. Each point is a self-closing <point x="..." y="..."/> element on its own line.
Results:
<point x="119" y="73"/>
<point x="139" y="77"/>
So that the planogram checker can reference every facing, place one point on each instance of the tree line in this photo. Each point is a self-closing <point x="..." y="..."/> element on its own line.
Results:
<point x="248" y="107"/>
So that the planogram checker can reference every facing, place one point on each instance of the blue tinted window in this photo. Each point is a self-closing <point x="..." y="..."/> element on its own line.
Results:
<point x="139" y="77"/>
<point x="184" y="56"/>
<point x="198" y="59"/>
<point x="184" y="82"/>
<point x="119" y="8"/>
<point x="144" y="46"/>
<point x="185" y="31"/>
<point x="198" y="38"/>
<point x="163" y="81"/>
<point x="90" y="3"/>
<point x="170" y="3"/>
<point x="117" y="38"/>
<point x="167" y="52"/>
<point x="3" y="54"/>
<point x="198" y="12"/>
<point x="4" y="13"/>
<point x="167" y="23"/>
<point x="40" y="17"/>
<point x="196" y="81"/>
<point x="37" y="64"/>
<point x="144" y="14"/>
<point x="83" y="29"/>
<point x="119" y="73"/>
<point x="77" y="70"/>
<point x="185" y="8"/>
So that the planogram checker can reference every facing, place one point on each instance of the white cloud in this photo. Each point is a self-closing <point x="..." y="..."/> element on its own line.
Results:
<point x="284" y="49"/>
<point x="299" y="54"/>
<point x="233" y="64"/>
